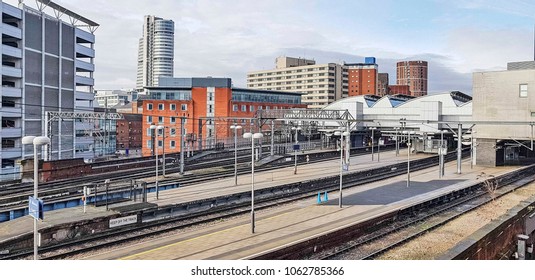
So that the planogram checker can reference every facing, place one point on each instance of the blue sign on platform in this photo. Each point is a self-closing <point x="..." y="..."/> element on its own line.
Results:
<point x="35" y="208"/>
<point x="296" y="147"/>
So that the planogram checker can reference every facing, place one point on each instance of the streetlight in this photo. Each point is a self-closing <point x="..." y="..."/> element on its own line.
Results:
<point x="341" y="134"/>
<point x="155" y="129"/>
<point x="235" y="127"/>
<point x="253" y="137"/>
<point x="37" y="142"/>
<point x="373" y="139"/>
<point x="295" y="147"/>
<point x="409" y="160"/>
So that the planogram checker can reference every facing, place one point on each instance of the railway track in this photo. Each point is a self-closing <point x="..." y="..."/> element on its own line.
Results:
<point x="379" y="242"/>
<point x="155" y="228"/>
<point x="11" y="198"/>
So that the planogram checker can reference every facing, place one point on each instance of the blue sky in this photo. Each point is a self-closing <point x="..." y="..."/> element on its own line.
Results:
<point x="227" y="38"/>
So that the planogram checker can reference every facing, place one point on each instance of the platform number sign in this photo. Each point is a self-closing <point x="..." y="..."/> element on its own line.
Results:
<point x="35" y="208"/>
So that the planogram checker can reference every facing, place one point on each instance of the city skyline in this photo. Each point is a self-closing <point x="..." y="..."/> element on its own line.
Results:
<point x="227" y="39"/>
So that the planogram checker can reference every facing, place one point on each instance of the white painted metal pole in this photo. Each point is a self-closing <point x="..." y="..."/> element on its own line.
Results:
<point x="272" y="153"/>
<point x="341" y="169"/>
<point x="295" y="152"/>
<point x="163" y="151"/>
<point x="409" y="160"/>
<point x="156" y="152"/>
<point x="459" y="147"/>
<point x="372" y="142"/>
<point x="35" y="195"/>
<point x="252" y="185"/>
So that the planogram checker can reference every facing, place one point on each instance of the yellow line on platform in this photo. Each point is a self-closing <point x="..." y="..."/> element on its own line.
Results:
<point x="198" y="237"/>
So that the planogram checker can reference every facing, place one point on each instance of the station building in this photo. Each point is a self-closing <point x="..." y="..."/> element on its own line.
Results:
<point x="504" y="106"/>
<point x="401" y="114"/>
<point x="207" y="107"/>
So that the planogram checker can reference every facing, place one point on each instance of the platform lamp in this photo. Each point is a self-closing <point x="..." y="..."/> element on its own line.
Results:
<point x="373" y="138"/>
<point x="235" y="127"/>
<point x="155" y="129"/>
<point x="342" y="135"/>
<point x="37" y="142"/>
<point x="296" y="129"/>
<point x="254" y="136"/>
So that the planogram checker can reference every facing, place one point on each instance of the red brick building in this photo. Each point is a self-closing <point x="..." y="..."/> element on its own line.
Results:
<point x="129" y="133"/>
<point x="414" y="75"/>
<point x="399" y="89"/>
<point x="208" y="107"/>
<point x="362" y="78"/>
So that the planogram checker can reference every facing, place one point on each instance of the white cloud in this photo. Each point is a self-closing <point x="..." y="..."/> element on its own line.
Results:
<point x="229" y="38"/>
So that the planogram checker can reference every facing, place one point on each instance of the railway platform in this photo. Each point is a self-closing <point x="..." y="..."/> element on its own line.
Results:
<point x="305" y="220"/>
<point x="274" y="228"/>
<point x="224" y="186"/>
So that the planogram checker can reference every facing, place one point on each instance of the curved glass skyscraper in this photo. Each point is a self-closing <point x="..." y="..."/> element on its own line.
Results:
<point x="156" y="51"/>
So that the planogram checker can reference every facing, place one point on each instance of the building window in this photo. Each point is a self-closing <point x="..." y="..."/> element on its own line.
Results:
<point x="173" y="119"/>
<point x="149" y="144"/>
<point x="523" y="90"/>
<point x="173" y="107"/>
<point x="235" y="108"/>
<point x="149" y="106"/>
<point x="160" y="119"/>
<point x="173" y="132"/>
<point x="149" y="119"/>
<point x="149" y="132"/>
<point x="160" y="143"/>
<point x="173" y="144"/>
<point x="259" y="107"/>
<point x="160" y="107"/>
<point x="184" y="107"/>
<point x="251" y="108"/>
<point x="243" y="108"/>
<point x="267" y="107"/>
<point x="210" y="109"/>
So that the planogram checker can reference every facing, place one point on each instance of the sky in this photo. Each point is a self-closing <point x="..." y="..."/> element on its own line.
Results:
<point x="228" y="38"/>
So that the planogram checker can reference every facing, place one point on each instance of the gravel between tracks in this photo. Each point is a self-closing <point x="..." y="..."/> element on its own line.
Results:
<point x="437" y="242"/>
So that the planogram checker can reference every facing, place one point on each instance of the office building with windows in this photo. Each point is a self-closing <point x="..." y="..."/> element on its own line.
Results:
<point x="156" y="51"/>
<point x="113" y="98"/>
<point x="320" y="84"/>
<point x="206" y="107"/>
<point x="47" y="66"/>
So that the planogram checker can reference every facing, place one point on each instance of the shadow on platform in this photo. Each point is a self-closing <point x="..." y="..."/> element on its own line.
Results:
<point x="392" y="192"/>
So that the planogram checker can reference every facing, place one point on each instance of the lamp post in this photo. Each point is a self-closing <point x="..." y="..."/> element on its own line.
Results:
<point x="37" y="142"/>
<point x="341" y="134"/>
<point x="253" y="137"/>
<point x="373" y="129"/>
<point x="161" y="127"/>
<point x="155" y="129"/>
<point x="441" y="153"/>
<point x="295" y="128"/>
<point x="235" y="127"/>
<point x="409" y="160"/>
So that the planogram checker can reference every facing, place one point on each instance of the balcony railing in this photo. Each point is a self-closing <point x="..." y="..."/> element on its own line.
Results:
<point x="8" y="132"/>
<point x="84" y="52"/>
<point x="11" y="51"/>
<point x="12" y="31"/>
<point x="11" y="71"/>
<point x="82" y="66"/>
<point x="84" y="81"/>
